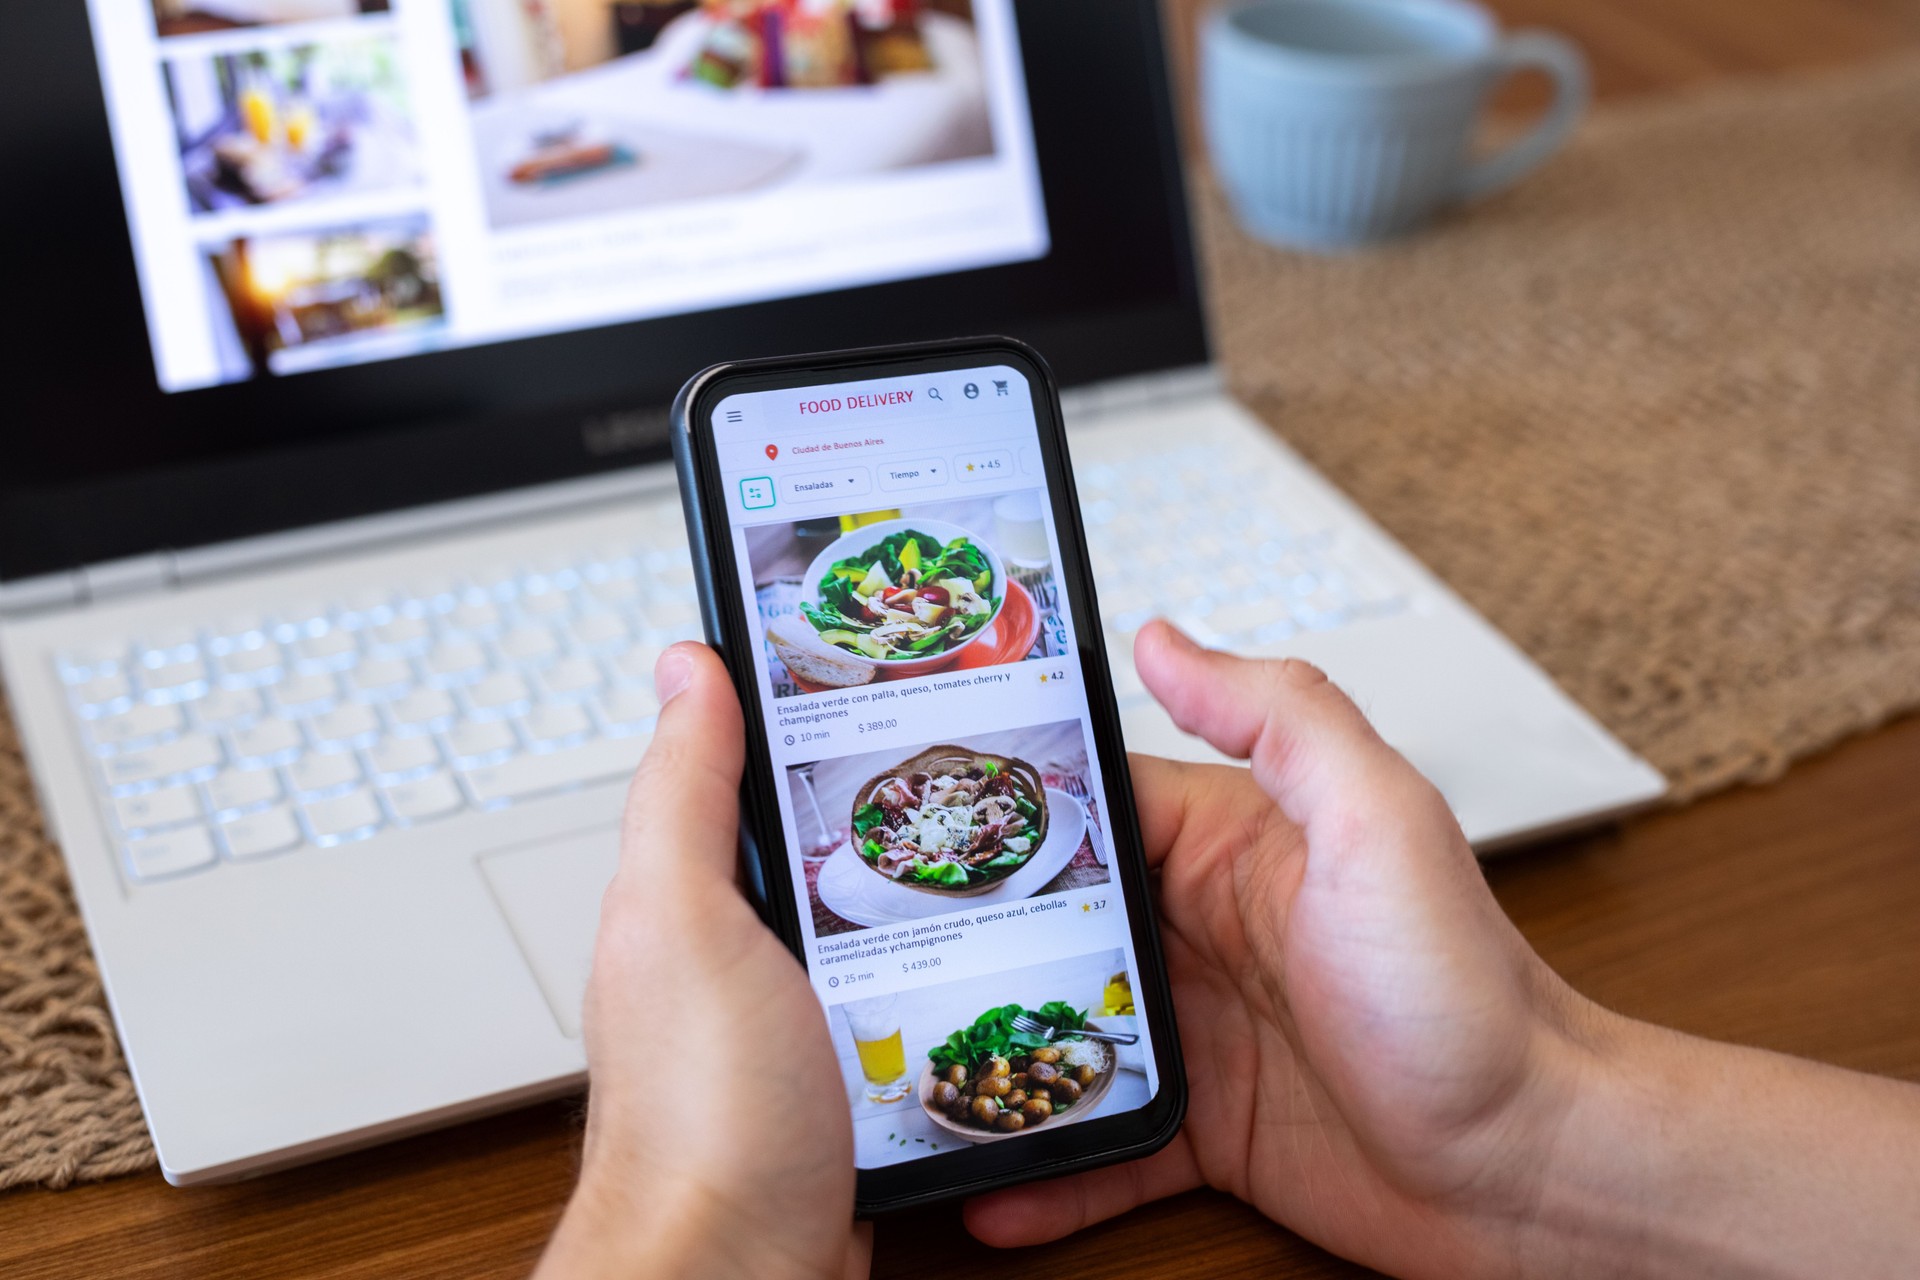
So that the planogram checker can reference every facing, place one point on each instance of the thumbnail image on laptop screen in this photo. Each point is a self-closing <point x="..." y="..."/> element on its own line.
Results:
<point x="929" y="731"/>
<point x="319" y="183"/>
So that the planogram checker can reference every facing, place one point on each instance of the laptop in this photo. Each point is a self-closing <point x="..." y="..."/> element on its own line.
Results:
<point x="337" y="537"/>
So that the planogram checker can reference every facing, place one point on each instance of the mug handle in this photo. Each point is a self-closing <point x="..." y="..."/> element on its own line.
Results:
<point x="1561" y="59"/>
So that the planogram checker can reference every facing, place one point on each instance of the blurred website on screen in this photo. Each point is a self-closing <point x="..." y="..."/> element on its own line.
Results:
<point x="319" y="183"/>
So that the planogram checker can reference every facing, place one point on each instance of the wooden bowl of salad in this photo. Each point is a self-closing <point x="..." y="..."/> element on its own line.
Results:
<point x="950" y="820"/>
<point x="894" y="598"/>
<point x="972" y="1083"/>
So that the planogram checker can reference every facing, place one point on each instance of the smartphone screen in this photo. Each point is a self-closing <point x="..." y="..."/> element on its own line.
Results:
<point x="945" y="783"/>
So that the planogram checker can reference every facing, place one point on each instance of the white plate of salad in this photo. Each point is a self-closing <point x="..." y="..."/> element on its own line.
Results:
<point x="899" y="597"/>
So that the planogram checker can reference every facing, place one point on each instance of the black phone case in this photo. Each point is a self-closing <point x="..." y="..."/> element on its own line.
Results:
<point x="765" y="872"/>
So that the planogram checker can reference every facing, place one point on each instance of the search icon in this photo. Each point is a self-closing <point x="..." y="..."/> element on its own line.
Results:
<point x="933" y="393"/>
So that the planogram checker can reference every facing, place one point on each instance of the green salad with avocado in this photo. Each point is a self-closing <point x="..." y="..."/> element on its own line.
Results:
<point x="907" y="596"/>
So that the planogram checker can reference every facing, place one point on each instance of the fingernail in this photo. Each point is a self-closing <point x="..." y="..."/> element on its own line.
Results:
<point x="672" y="674"/>
<point x="1175" y="636"/>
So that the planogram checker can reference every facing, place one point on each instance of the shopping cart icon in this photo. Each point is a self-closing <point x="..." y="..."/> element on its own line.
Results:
<point x="999" y="387"/>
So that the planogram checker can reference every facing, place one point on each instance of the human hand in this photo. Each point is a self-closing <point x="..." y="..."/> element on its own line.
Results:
<point x="1376" y="1058"/>
<point x="693" y="1165"/>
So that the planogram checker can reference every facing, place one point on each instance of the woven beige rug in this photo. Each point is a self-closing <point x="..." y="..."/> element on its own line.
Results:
<point x="1656" y="413"/>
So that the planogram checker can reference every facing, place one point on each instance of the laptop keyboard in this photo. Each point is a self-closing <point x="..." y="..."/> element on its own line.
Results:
<point x="1171" y="533"/>
<point x="327" y="723"/>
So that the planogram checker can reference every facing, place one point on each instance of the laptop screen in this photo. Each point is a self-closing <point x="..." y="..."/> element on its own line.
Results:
<point x="321" y="183"/>
<point x="289" y="262"/>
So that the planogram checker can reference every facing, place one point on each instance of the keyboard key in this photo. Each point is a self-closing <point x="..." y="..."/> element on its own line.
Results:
<point x="262" y="664"/>
<point x="625" y="710"/>
<point x="1242" y="618"/>
<point x="269" y="741"/>
<point x="137" y="725"/>
<point x="191" y="755"/>
<point x="528" y="644"/>
<point x="103" y="692"/>
<point x="569" y="678"/>
<point x="426" y="798"/>
<point x="237" y="631"/>
<point x="352" y="816"/>
<point x="305" y="695"/>
<point x="601" y="760"/>
<point x="600" y="633"/>
<point x="378" y="679"/>
<point x="636" y="664"/>
<point x="423" y="709"/>
<point x="174" y="681"/>
<point x="396" y="759"/>
<point x="371" y="607"/>
<point x="401" y="635"/>
<point x="238" y="789"/>
<point x="348" y="725"/>
<point x="455" y="662"/>
<point x="673" y="613"/>
<point x="224" y="707"/>
<point x="477" y="615"/>
<point x="87" y="661"/>
<point x="300" y="621"/>
<point x="435" y="596"/>
<point x="187" y="849"/>
<point x="548" y="726"/>
<point x="546" y="603"/>
<point x="500" y="694"/>
<point x="320" y="773"/>
<point x="616" y="593"/>
<point x="258" y="834"/>
<point x="473" y="743"/>
<point x="329" y="651"/>
<point x="671" y="572"/>
<point x="168" y="646"/>
<point x="157" y="809"/>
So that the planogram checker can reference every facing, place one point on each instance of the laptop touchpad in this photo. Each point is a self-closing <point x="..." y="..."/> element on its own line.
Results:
<point x="550" y="894"/>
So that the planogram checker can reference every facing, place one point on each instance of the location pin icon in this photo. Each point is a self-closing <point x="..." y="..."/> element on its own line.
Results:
<point x="773" y="451"/>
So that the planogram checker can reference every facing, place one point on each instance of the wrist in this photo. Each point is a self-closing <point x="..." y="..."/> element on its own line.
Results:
<point x="624" y="1224"/>
<point x="1574" y="1149"/>
<point x="605" y="1234"/>
<point x="1636" y="1173"/>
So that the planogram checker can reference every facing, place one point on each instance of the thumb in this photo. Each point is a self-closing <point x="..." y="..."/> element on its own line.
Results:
<point x="1311" y="748"/>
<point x="684" y="805"/>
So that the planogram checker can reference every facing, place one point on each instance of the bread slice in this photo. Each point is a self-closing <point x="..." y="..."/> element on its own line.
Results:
<point x="812" y="659"/>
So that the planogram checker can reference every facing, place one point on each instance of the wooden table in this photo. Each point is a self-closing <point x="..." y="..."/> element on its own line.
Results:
<point x="1787" y="916"/>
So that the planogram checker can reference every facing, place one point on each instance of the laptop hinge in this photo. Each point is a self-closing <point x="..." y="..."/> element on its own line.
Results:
<point x="1123" y="395"/>
<point x="136" y="575"/>
<point x="34" y="595"/>
<point x="110" y="580"/>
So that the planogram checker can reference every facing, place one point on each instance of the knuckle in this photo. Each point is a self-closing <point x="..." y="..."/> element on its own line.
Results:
<point x="1298" y="673"/>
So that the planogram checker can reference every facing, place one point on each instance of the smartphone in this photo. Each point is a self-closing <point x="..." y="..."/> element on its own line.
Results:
<point x="937" y="815"/>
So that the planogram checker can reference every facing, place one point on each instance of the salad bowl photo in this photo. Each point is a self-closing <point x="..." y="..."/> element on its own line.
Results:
<point x="894" y="598"/>
<point x="950" y="821"/>
<point x="849" y="887"/>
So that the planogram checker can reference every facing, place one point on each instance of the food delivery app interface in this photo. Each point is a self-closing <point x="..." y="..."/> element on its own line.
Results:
<point x="946" y="815"/>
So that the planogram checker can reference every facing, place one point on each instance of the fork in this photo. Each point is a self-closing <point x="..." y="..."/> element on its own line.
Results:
<point x="1073" y="786"/>
<point x="1048" y="1032"/>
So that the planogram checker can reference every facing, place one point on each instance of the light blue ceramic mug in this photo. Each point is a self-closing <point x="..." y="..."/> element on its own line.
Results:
<point x="1334" y="123"/>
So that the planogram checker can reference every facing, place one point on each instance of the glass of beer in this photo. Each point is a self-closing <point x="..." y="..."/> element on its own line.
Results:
<point x="875" y="1025"/>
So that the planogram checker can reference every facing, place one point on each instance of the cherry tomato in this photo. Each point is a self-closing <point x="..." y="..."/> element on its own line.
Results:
<point x="937" y="594"/>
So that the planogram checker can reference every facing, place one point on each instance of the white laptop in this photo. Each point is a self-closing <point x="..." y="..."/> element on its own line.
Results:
<point x="336" y="534"/>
